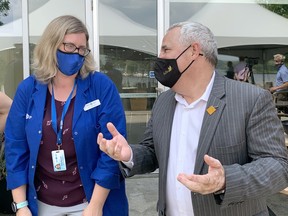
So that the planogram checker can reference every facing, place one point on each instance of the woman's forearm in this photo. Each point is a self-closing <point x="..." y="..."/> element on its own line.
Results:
<point x="99" y="196"/>
<point x="19" y="194"/>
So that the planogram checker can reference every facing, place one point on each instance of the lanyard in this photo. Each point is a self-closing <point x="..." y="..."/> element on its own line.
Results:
<point x="54" y="115"/>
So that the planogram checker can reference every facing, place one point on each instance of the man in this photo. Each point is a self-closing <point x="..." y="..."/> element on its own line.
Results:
<point x="218" y="144"/>
<point x="5" y="103"/>
<point x="115" y="75"/>
<point x="281" y="82"/>
<point x="6" y="196"/>
<point x="279" y="90"/>
<point x="230" y="70"/>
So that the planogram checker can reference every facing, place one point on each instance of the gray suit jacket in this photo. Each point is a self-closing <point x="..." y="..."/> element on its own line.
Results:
<point x="244" y="133"/>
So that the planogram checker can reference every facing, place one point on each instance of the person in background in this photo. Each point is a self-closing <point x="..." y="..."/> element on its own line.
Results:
<point x="230" y="70"/>
<point x="5" y="197"/>
<point x="241" y="70"/>
<point x="54" y="165"/>
<point x="5" y="104"/>
<point x="281" y="82"/>
<point x="218" y="144"/>
<point x="115" y="75"/>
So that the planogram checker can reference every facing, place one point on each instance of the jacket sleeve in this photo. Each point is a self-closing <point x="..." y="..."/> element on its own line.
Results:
<point x="267" y="173"/>
<point x="16" y="146"/>
<point x="107" y="173"/>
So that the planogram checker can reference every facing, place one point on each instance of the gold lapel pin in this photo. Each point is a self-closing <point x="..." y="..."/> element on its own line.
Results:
<point x="210" y="110"/>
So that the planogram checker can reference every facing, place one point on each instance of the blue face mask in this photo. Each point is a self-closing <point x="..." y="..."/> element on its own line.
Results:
<point x="69" y="63"/>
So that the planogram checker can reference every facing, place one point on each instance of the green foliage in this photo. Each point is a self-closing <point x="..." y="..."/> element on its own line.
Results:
<point x="4" y="9"/>
<point x="280" y="9"/>
<point x="2" y="158"/>
<point x="2" y="169"/>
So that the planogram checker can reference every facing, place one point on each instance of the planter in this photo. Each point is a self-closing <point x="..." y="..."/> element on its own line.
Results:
<point x="138" y="104"/>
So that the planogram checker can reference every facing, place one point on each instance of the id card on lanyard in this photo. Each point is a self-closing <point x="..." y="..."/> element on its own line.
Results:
<point x="58" y="156"/>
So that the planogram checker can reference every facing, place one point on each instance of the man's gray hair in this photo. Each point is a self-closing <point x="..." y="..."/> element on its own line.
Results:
<point x="191" y="32"/>
<point x="279" y="57"/>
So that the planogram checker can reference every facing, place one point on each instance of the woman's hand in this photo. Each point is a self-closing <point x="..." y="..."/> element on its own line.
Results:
<point x="91" y="210"/>
<point x="24" y="212"/>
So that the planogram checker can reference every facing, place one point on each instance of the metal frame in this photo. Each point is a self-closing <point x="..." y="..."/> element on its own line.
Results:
<point x="25" y="39"/>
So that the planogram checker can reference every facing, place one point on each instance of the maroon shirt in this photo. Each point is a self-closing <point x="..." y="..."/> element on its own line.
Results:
<point x="63" y="188"/>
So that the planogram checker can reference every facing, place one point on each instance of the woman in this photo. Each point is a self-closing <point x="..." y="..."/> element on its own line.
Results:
<point x="5" y="103"/>
<point x="54" y="164"/>
<point x="6" y="197"/>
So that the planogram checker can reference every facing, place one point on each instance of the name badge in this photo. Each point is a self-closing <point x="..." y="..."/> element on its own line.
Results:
<point x="58" y="158"/>
<point x="92" y="104"/>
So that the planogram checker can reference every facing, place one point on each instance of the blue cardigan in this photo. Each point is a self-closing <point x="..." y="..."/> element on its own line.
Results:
<point x="24" y="131"/>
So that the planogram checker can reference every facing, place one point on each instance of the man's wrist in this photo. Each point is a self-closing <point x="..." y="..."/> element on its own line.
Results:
<point x="129" y="163"/>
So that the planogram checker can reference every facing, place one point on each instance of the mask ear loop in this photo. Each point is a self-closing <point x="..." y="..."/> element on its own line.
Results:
<point x="183" y="52"/>
<point x="181" y="55"/>
<point x="187" y="67"/>
<point x="200" y="54"/>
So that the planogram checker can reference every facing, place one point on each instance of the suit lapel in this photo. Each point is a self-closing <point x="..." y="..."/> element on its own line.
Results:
<point x="210" y="121"/>
<point x="167" y="127"/>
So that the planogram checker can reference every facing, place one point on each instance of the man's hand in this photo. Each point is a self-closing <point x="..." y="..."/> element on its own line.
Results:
<point x="273" y="89"/>
<point x="117" y="148"/>
<point x="211" y="182"/>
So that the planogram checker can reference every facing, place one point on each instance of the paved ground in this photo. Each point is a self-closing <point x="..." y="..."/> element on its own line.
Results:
<point x="142" y="192"/>
<point x="142" y="195"/>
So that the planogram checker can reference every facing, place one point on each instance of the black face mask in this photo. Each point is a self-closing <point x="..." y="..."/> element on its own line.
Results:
<point x="167" y="71"/>
<point x="278" y="65"/>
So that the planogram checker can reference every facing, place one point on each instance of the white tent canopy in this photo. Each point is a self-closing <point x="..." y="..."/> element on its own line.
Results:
<point x="116" y="28"/>
<point x="40" y="18"/>
<point x="243" y="24"/>
<point x="11" y="33"/>
<point x="232" y="23"/>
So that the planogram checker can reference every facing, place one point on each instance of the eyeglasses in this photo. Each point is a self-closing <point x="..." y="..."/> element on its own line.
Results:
<point x="70" y="48"/>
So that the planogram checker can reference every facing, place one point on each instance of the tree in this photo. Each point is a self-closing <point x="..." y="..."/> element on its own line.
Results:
<point x="280" y="9"/>
<point x="4" y="9"/>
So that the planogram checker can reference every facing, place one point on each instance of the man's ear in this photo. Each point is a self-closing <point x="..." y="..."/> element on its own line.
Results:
<point x="195" y="49"/>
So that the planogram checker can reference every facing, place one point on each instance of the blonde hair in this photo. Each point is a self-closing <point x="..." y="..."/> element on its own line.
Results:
<point x="279" y="57"/>
<point x="45" y="60"/>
